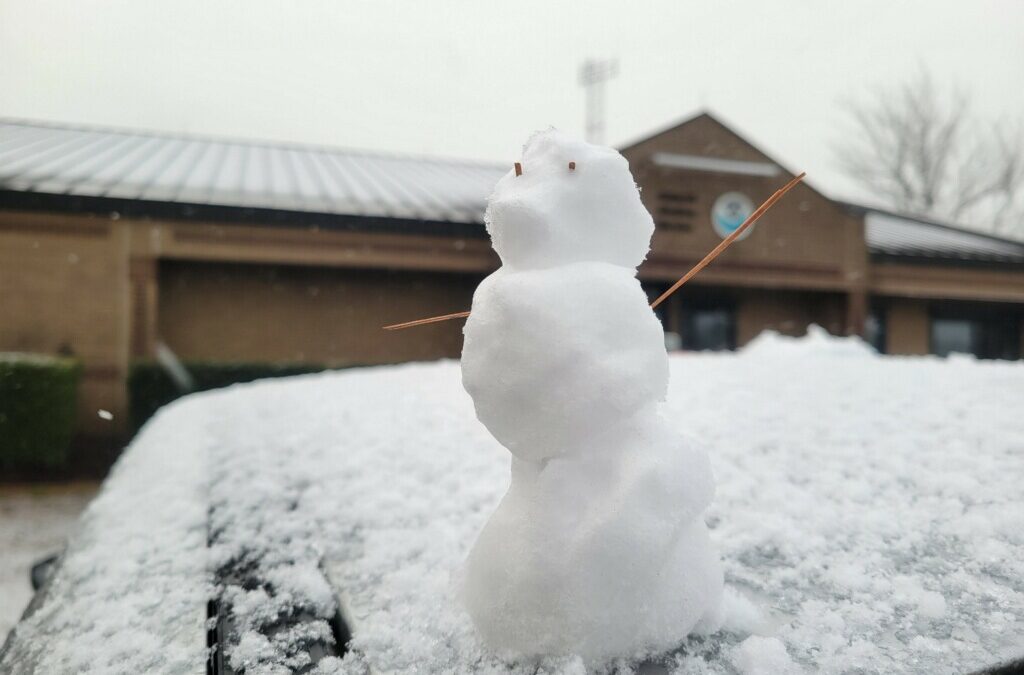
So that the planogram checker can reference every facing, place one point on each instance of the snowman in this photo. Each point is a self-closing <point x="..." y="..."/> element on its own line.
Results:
<point x="599" y="547"/>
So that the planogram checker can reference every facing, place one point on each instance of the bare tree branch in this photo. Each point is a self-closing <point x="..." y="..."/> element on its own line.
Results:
<point x="923" y="152"/>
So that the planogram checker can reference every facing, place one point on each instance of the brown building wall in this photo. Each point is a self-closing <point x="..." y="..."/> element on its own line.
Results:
<point x="907" y="327"/>
<point x="756" y="310"/>
<point x="702" y="135"/>
<point x="239" y="312"/>
<point x="787" y="312"/>
<point x="950" y="281"/>
<point x="803" y="232"/>
<point x="107" y="289"/>
<point x="805" y="242"/>
<point x="63" y="289"/>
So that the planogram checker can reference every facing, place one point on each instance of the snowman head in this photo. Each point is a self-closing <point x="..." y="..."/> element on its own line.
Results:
<point x="572" y="202"/>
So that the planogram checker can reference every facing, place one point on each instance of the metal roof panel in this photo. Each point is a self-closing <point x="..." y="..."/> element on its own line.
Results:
<point x="48" y="158"/>
<point x="895" y="235"/>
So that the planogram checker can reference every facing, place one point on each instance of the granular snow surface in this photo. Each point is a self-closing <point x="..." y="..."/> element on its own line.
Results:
<point x="869" y="514"/>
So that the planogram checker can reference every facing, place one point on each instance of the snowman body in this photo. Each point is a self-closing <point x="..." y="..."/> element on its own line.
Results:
<point x="599" y="547"/>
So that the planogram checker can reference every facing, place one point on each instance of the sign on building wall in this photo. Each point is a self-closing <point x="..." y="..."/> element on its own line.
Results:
<point x="728" y="213"/>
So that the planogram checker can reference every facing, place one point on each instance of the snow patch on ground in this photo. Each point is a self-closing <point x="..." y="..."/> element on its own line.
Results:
<point x="763" y="656"/>
<point x="817" y="343"/>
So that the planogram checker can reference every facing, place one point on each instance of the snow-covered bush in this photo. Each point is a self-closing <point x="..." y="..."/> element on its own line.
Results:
<point x="37" y="409"/>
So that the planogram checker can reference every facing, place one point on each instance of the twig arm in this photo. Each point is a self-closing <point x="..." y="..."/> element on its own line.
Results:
<point x="725" y="243"/>
<point x="715" y="252"/>
<point x="423" y="322"/>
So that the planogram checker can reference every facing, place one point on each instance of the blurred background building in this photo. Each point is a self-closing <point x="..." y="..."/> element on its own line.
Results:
<point x="120" y="247"/>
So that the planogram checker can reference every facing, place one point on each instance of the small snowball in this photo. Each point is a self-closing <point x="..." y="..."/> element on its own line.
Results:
<point x="329" y="665"/>
<point x="763" y="656"/>
<point x="927" y="604"/>
<point x="931" y="605"/>
<point x="250" y="650"/>
<point x="742" y="615"/>
<point x="850" y="576"/>
<point x="566" y="666"/>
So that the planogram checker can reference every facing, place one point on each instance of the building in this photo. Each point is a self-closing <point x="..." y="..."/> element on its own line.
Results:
<point x="114" y="242"/>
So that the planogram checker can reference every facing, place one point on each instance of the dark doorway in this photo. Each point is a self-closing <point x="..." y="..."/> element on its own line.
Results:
<point x="987" y="332"/>
<point x="707" y="320"/>
<point x="709" y="328"/>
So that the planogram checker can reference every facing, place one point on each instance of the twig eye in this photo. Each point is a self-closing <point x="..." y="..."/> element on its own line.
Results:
<point x="519" y="169"/>
<point x="572" y="166"/>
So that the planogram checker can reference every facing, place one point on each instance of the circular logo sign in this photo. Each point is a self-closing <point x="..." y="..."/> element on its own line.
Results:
<point x="728" y="213"/>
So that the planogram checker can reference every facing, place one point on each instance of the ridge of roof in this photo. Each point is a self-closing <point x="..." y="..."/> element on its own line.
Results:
<point x="247" y="141"/>
<point x="706" y="113"/>
<point x="686" y="119"/>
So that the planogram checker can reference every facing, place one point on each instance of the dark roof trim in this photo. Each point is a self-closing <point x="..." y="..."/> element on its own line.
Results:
<point x="142" y="209"/>
<point x="920" y="260"/>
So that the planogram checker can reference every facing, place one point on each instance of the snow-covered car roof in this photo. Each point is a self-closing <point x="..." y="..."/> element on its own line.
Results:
<point x="869" y="515"/>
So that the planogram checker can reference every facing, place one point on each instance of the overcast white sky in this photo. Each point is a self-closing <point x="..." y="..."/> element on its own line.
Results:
<point x="468" y="78"/>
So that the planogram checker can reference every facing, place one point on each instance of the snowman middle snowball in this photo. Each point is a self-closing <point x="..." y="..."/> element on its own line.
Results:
<point x="599" y="548"/>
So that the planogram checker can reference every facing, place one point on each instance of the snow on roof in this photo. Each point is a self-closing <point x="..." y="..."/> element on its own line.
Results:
<point x="868" y="514"/>
<point x="896" y="235"/>
<point x="715" y="164"/>
<point x="44" y="158"/>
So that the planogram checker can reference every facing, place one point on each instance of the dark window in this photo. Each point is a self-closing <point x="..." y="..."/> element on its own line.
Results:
<point x="676" y="211"/>
<point x="710" y="329"/>
<point x="986" y="338"/>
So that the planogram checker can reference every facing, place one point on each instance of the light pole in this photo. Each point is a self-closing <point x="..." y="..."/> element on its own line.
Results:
<point x="593" y="75"/>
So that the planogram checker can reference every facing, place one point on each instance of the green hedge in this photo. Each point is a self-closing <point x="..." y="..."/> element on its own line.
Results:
<point x="37" y="409"/>
<point x="150" y="387"/>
